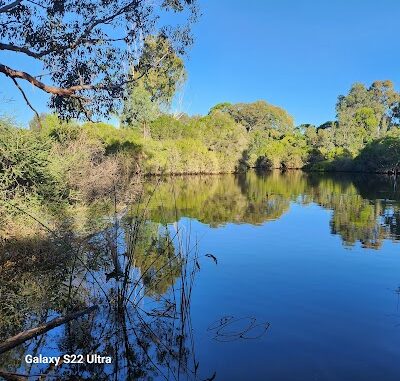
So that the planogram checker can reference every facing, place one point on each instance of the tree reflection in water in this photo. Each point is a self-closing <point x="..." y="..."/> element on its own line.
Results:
<point x="365" y="208"/>
<point x="139" y="269"/>
<point x="139" y="273"/>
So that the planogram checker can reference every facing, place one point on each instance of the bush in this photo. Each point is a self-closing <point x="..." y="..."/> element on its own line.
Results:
<point x="55" y="129"/>
<point x="179" y="157"/>
<point x="166" y="127"/>
<point x="115" y="139"/>
<point x="210" y="144"/>
<point x="381" y="155"/>
<point x="289" y="151"/>
<point x="87" y="171"/>
<point x="24" y="164"/>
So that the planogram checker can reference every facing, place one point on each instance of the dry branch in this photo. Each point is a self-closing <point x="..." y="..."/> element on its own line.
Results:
<point x="16" y="340"/>
<point x="13" y="376"/>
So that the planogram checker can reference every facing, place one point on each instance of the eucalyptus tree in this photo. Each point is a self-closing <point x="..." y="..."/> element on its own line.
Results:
<point x="86" y="48"/>
<point x="258" y="116"/>
<point x="161" y="70"/>
<point x="366" y="113"/>
<point x="157" y="77"/>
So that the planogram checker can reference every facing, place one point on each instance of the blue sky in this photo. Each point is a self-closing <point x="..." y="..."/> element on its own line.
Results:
<point x="297" y="54"/>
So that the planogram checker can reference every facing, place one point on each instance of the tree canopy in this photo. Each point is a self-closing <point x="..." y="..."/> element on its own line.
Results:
<point x="86" y="48"/>
<point x="258" y="115"/>
<point x="366" y="113"/>
<point x="160" y="70"/>
<point x="157" y="77"/>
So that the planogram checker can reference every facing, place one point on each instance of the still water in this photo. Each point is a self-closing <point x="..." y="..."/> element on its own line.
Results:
<point x="278" y="276"/>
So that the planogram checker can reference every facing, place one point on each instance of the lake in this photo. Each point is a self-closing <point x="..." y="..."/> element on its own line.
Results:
<point x="258" y="276"/>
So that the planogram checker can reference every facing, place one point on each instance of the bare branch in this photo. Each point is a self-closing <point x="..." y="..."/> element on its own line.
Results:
<point x="27" y="101"/>
<point x="16" y="340"/>
<point x="65" y="92"/>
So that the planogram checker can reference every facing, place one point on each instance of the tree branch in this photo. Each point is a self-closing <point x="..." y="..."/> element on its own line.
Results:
<point x="104" y="20"/>
<point x="65" y="92"/>
<point x="20" y="49"/>
<point x="16" y="340"/>
<point x="43" y="53"/>
<point x="9" y="7"/>
<point x="27" y="102"/>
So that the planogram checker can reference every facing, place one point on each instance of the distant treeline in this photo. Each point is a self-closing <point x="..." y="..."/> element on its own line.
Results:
<point x="84" y="161"/>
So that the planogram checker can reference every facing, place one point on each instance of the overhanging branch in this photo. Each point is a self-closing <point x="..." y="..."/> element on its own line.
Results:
<point x="27" y="101"/>
<point x="28" y="52"/>
<point x="11" y="6"/>
<point x="64" y="92"/>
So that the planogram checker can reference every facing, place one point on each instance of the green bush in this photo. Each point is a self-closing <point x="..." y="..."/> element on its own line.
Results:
<point x="115" y="139"/>
<point x="24" y="163"/>
<point x="59" y="131"/>
<point x="179" y="157"/>
<point x="166" y="127"/>
<point x="381" y="155"/>
<point x="288" y="151"/>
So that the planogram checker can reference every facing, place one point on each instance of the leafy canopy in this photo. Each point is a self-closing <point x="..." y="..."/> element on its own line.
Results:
<point x="85" y="48"/>
<point x="258" y="115"/>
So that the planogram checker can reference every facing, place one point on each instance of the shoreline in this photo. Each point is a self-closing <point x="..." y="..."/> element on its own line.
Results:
<point x="260" y="170"/>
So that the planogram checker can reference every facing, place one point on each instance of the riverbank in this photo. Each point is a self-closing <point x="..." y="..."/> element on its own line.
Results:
<point x="78" y="164"/>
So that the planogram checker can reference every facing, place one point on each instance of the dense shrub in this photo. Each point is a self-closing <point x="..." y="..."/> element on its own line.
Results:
<point x="179" y="157"/>
<point x="287" y="151"/>
<point x="166" y="127"/>
<point x="210" y="144"/>
<point x="115" y="139"/>
<point x="381" y="155"/>
<point x="24" y="164"/>
<point x="59" y="131"/>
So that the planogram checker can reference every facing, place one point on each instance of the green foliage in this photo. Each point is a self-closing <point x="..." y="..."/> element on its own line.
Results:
<point x="367" y="121"/>
<point x="24" y="163"/>
<point x="365" y="116"/>
<point x="272" y="139"/>
<point x="287" y="151"/>
<point x="183" y="156"/>
<point x="58" y="130"/>
<point x="139" y="109"/>
<point x="161" y="71"/>
<point x="258" y="116"/>
<point x="210" y="144"/>
<point x="381" y="155"/>
<point x="115" y="139"/>
<point x="168" y="127"/>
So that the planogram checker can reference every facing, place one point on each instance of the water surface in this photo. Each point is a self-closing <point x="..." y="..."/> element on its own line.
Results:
<point x="296" y="277"/>
<point x="315" y="256"/>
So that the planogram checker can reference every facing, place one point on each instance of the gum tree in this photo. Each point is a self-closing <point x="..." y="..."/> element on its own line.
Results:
<point x="86" y="49"/>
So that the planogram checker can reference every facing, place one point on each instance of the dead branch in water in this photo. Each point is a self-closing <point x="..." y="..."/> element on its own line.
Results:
<point x="20" y="338"/>
<point x="13" y="376"/>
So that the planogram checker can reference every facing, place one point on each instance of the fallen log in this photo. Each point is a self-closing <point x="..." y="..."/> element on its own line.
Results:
<point x="13" y="376"/>
<point x="16" y="340"/>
